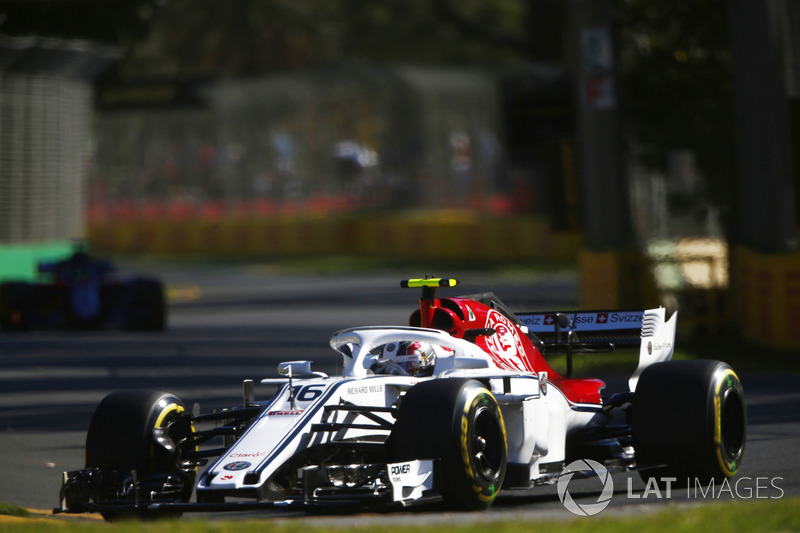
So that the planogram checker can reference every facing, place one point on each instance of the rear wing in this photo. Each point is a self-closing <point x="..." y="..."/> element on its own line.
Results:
<point x="623" y="328"/>
<point x="602" y="331"/>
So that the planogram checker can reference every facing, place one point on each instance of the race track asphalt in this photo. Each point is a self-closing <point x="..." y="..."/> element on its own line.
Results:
<point x="229" y="323"/>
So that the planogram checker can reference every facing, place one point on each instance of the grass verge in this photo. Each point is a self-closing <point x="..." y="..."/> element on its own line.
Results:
<point x="7" y="509"/>
<point x="719" y="517"/>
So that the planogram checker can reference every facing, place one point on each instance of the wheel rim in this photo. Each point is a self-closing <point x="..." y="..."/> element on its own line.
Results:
<point x="733" y="423"/>
<point x="487" y="444"/>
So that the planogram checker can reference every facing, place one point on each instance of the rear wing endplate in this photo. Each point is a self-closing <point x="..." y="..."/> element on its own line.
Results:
<point x="592" y="331"/>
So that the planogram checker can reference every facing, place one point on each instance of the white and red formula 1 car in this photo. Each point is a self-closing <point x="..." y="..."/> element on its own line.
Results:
<point x="453" y="408"/>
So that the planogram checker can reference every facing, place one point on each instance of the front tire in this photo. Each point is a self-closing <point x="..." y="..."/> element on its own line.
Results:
<point x="689" y="421"/>
<point x="458" y="422"/>
<point x="121" y="438"/>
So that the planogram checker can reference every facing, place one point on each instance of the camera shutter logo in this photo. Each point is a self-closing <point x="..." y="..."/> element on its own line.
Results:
<point x="583" y="466"/>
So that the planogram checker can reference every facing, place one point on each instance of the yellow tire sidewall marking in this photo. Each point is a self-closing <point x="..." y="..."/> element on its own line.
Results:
<point x="167" y="410"/>
<point x="173" y="407"/>
<point x="726" y="467"/>
<point x="475" y="396"/>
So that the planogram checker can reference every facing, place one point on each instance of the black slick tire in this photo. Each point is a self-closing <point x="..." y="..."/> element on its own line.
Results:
<point x="120" y="438"/>
<point x="689" y="422"/>
<point x="458" y="423"/>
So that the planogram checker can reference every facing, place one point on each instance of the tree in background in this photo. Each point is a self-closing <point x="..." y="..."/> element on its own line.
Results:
<point x="118" y="22"/>
<point x="677" y="86"/>
<point x="250" y="37"/>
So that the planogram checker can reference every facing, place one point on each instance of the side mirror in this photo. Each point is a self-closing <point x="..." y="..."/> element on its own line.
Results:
<point x="298" y="369"/>
<point x="472" y="363"/>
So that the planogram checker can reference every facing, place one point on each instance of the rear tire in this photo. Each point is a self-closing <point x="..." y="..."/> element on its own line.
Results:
<point x="17" y="299"/>
<point x="458" y="422"/>
<point x="120" y="437"/>
<point x="147" y="310"/>
<point x="689" y="421"/>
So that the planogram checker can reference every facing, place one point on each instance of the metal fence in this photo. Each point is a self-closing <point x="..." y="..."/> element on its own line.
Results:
<point x="46" y="113"/>
<point x="44" y="149"/>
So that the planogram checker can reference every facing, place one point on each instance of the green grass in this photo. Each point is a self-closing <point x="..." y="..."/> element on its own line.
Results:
<point x="8" y="509"/>
<point x="716" y="517"/>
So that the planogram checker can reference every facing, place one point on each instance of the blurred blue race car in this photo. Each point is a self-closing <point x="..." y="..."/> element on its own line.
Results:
<point x="81" y="292"/>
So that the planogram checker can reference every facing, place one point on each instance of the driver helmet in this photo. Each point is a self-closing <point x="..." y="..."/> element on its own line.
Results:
<point x="410" y="358"/>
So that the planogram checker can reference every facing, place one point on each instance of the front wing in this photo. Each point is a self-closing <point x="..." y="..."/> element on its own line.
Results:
<point x="385" y="485"/>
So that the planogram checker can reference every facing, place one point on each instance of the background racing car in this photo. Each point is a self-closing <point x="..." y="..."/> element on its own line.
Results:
<point x="82" y="292"/>
<point x="452" y="408"/>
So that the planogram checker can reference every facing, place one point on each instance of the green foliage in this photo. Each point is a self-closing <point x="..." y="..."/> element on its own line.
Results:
<point x="676" y="71"/>
<point x="428" y="32"/>
<point x="120" y="22"/>
<point x="246" y="37"/>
